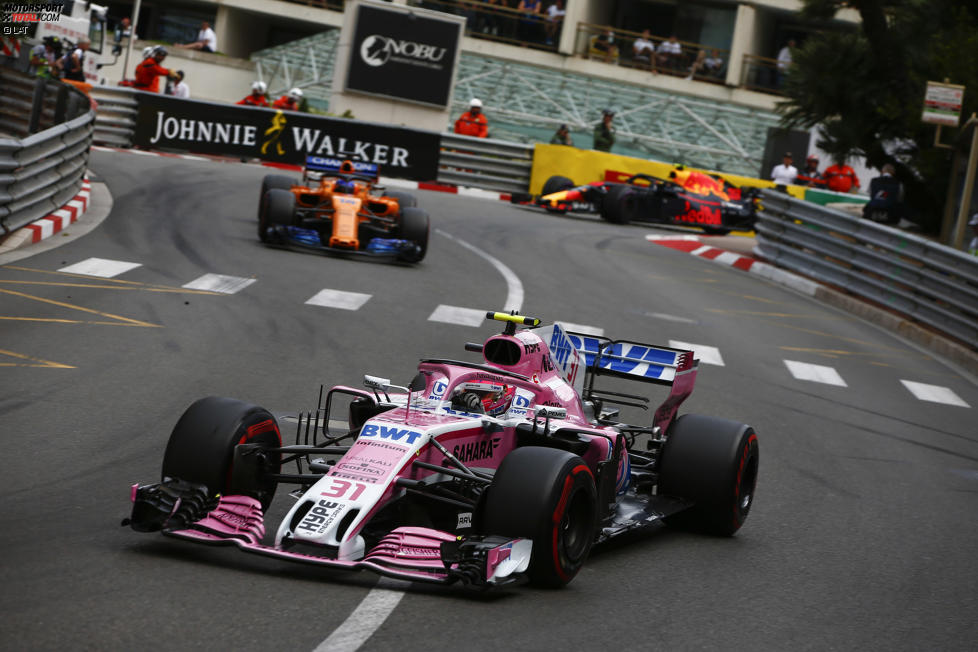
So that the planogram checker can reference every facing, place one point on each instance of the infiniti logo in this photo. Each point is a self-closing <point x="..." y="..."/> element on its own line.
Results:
<point x="377" y="50"/>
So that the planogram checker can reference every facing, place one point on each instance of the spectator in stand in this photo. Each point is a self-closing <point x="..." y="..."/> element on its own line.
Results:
<point x="45" y="58"/>
<point x="784" y="61"/>
<point x="473" y="122"/>
<point x="74" y="63"/>
<point x="713" y="66"/>
<point x="604" y="133"/>
<point x="840" y="177"/>
<point x="643" y="50"/>
<point x="487" y="19"/>
<point x="529" y="29"/>
<point x="555" y="18"/>
<point x="698" y="66"/>
<point x="123" y="30"/>
<point x="810" y="176"/>
<point x="206" y="40"/>
<point x="784" y="173"/>
<point x="177" y="87"/>
<point x="670" y="54"/>
<point x="290" y="101"/>
<point x="148" y="72"/>
<point x="257" y="97"/>
<point x="562" y="137"/>
<point x="885" y="197"/>
<point x="603" y="45"/>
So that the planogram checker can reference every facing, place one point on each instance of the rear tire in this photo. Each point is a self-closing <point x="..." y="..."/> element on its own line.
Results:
<point x="404" y="199"/>
<point x="547" y="495"/>
<point x="201" y="447"/>
<point x="556" y="184"/>
<point x="712" y="462"/>
<point x="278" y="209"/>
<point x="415" y="227"/>
<point x="716" y="230"/>
<point x="618" y="206"/>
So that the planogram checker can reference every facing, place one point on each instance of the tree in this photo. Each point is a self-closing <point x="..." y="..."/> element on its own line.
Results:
<point x="866" y="87"/>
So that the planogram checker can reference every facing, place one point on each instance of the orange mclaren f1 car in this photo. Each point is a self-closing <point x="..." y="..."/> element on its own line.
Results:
<point x="339" y="208"/>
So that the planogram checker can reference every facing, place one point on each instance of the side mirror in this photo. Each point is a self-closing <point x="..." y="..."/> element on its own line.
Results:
<point x="375" y="382"/>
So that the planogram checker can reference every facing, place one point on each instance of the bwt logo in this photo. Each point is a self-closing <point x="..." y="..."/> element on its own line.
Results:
<point x="377" y="50"/>
<point x="393" y="434"/>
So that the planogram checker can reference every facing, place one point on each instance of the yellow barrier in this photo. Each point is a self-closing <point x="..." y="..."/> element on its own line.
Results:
<point x="584" y="166"/>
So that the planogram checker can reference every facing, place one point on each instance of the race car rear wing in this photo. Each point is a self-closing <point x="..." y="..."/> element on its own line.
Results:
<point x="334" y="167"/>
<point x="602" y="356"/>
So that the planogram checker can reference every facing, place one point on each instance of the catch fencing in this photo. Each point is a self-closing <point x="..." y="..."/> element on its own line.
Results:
<point x="45" y="134"/>
<point x="924" y="280"/>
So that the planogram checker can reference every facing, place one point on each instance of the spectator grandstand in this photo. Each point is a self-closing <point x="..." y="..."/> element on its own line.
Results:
<point x="526" y="103"/>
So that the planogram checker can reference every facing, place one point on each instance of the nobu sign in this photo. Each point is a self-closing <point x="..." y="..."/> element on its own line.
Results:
<point x="282" y="136"/>
<point x="405" y="55"/>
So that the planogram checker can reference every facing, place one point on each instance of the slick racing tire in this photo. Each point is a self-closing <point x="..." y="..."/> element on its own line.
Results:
<point x="713" y="463"/>
<point x="201" y="448"/>
<point x="556" y="184"/>
<point x="273" y="182"/>
<point x="278" y="209"/>
<point x="404" y="199"/>
<point x="415" y="227"/>
<point x="547" y="495"/>
<point x="619" y="206"/>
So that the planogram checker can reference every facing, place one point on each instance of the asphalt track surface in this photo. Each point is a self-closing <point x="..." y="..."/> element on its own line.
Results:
<point x="863" y="534"/>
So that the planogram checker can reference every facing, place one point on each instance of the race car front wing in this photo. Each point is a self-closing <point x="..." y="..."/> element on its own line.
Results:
<point x="186" y="511"/>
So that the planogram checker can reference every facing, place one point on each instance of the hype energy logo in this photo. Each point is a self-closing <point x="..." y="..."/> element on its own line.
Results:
<point x="377" y="50"/>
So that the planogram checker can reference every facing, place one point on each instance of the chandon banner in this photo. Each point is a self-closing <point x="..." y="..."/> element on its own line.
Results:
<point x="408" y="56"/>
<point x="282" y="136"/>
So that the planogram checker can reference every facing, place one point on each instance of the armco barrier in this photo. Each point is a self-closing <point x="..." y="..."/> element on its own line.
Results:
<point x="484" y="163"/>
<point x="116" y="116"/>
<point x="41" y="166"/>
<point x="926" y="281"/>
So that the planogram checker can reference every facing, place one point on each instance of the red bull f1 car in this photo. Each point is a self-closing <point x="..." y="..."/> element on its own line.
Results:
<point x="687" y="198"/>
<point x="340" y="209"/>
<point x="481" y="473"/>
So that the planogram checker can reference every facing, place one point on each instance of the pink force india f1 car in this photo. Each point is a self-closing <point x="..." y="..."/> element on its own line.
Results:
<point x="481" y="473"/>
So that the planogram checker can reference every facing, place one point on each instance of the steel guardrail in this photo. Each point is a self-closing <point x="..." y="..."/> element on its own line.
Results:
<point x="923" y="280"/>
<point x="484" y="163"/>
<point x="44" y="146"/>
<point x="115" y="120"/>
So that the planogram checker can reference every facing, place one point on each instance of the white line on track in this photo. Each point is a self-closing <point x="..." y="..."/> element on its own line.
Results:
<point x="371" y="613"/>
<point x="514" y="288"/>
<point x="101" y="267"/>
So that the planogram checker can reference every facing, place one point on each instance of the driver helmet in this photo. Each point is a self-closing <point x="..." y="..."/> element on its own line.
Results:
<point x="345" y="186"/>
<point x="495" y="398"/>
<point x="259" y="87"/>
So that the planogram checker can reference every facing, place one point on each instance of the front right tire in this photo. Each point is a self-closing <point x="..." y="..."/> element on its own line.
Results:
<point x="201" y="447"/>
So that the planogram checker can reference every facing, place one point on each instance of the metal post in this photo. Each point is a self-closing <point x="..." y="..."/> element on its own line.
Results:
<point x="37" y="106"/>
<point x="132" y="38"/>
<point x="969" y="186"/>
